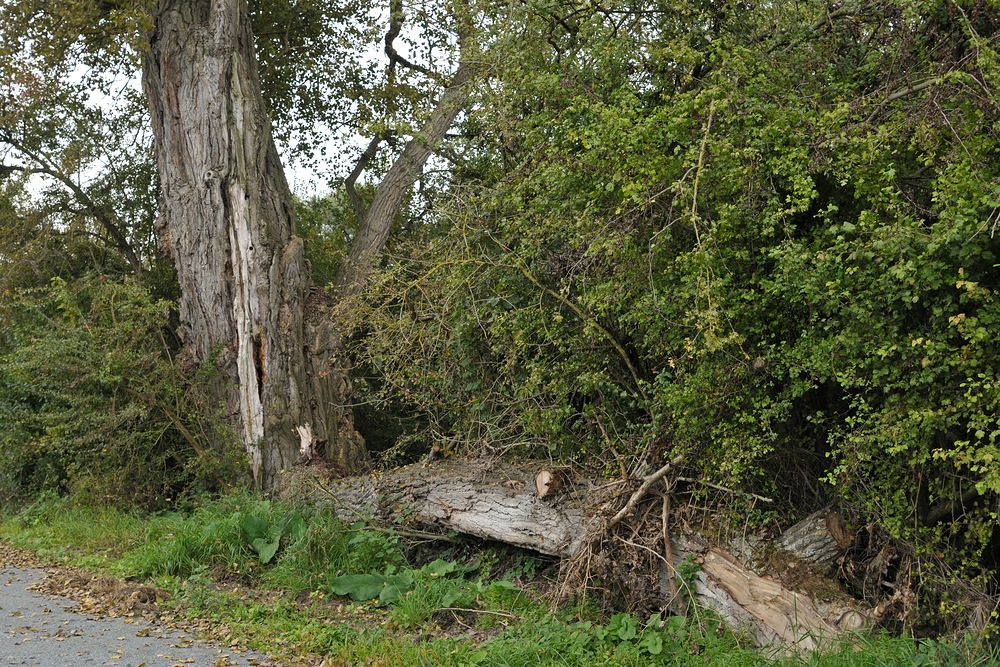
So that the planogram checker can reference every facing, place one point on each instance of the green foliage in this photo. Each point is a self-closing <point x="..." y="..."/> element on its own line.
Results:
<point x="965" y="653"/>
<point x="758" y="235"/>
<point x="264" y="531"/>
<point x="687" y="572"/>
<point x="329" y="548"/>
<point x="763" y="238"/>
<point x="520" y="633"/>
<point x="76" y="166"/>
<point x="64" y="529"/>
<point x="180" y="545"/>
<point x="90" y="400"/>
<point x="362" y="587"/>
<point x="417" y="594"/>
<point x="623" y="640"/>
<point x="326" y="225"/>
<point x="295" y="548"/>
<point x="373" y="550"/>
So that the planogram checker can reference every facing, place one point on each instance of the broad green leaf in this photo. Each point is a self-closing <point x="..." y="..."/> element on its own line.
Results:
<point x="359" y="587"/>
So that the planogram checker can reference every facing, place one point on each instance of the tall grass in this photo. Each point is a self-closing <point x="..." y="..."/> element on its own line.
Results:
<point x="63" y="530"/>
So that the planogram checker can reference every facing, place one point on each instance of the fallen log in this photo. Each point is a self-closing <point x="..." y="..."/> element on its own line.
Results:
<point x="507" y="503"/>
<point x="764" y="607"/>
<point x="490" y="500"/>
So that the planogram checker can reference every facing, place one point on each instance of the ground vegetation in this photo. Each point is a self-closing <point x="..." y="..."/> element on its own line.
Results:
<point x="754" y="238"/>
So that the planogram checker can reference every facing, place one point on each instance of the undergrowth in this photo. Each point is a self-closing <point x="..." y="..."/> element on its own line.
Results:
<point x="298" y="581"/>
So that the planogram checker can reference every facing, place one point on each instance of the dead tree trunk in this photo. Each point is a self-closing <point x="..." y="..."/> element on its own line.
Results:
<point x="226" y="220"/>
<point x="497" y="502"/>
<point x="502" y="502"/>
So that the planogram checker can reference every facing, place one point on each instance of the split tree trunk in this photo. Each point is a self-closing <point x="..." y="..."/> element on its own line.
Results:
<point x="226" y="220"/>
<point x="501" y="502"/>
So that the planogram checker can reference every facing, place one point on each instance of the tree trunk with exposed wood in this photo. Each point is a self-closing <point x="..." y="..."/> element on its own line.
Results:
<point x="227" y="220"/>
<point x="786" y="600"/>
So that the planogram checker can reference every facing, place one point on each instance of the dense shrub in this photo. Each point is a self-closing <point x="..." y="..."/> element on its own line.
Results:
<point x="90" y="400"/>
<point x="746" y="237"/>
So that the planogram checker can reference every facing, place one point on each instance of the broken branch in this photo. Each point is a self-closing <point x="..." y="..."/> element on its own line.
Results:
<point x="643" y="489"/>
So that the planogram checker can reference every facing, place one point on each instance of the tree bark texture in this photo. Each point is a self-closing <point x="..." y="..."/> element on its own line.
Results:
<point x="227" y="221"/>
<point x="493" y="501"/>
<point x="819" y="538"/>
<point x="501" y="502"/>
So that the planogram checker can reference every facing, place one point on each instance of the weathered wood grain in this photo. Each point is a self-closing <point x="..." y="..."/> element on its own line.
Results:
<point x="498" y="501"/>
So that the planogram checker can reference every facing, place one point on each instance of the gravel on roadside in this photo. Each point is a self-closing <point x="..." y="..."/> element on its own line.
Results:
<point x="109" y="623"/>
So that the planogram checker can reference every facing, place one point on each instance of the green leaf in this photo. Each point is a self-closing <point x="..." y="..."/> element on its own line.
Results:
<point x="295" y="525"/>
<point x="396" y="587"/>
<point x="254" y="527"/>
<point x="457" y="596"/>
<point x="267" y="548"/>
<point x="503" y="583"/>
<point x="628" y="630"/>
<point x="623" y="626"/>
<point x="359" y="587"/>
<point x="652" y="643"/>
<point x="439" y="568"/>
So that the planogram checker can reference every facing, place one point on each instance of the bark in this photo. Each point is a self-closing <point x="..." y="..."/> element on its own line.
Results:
<point x="226" y="220"/>
<point x="501" y="502"/>
<point x="493" y="501"/>
<point x="819" y="538"/>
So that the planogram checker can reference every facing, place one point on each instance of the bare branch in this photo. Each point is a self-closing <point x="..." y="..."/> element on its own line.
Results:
<point x="904" y="92"/>
<point x="396" y="18"/>
<point x="815" y="28"/>
<point x="352" y="178"/>
<point x="691" y="480"/>
<point x="913" y="89"/>
<point x="643" y="489"/>
<point x="98" y="212"/>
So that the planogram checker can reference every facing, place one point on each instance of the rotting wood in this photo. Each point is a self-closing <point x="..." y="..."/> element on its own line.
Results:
<point x="775" y="614"/>
<point x="498" y="501"/>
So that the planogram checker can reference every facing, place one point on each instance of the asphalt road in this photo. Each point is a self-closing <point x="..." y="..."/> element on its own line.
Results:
<point x="41" y="629"/>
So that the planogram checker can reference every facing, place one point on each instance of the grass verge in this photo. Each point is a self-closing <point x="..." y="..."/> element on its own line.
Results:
<point x="310" y="589"/>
